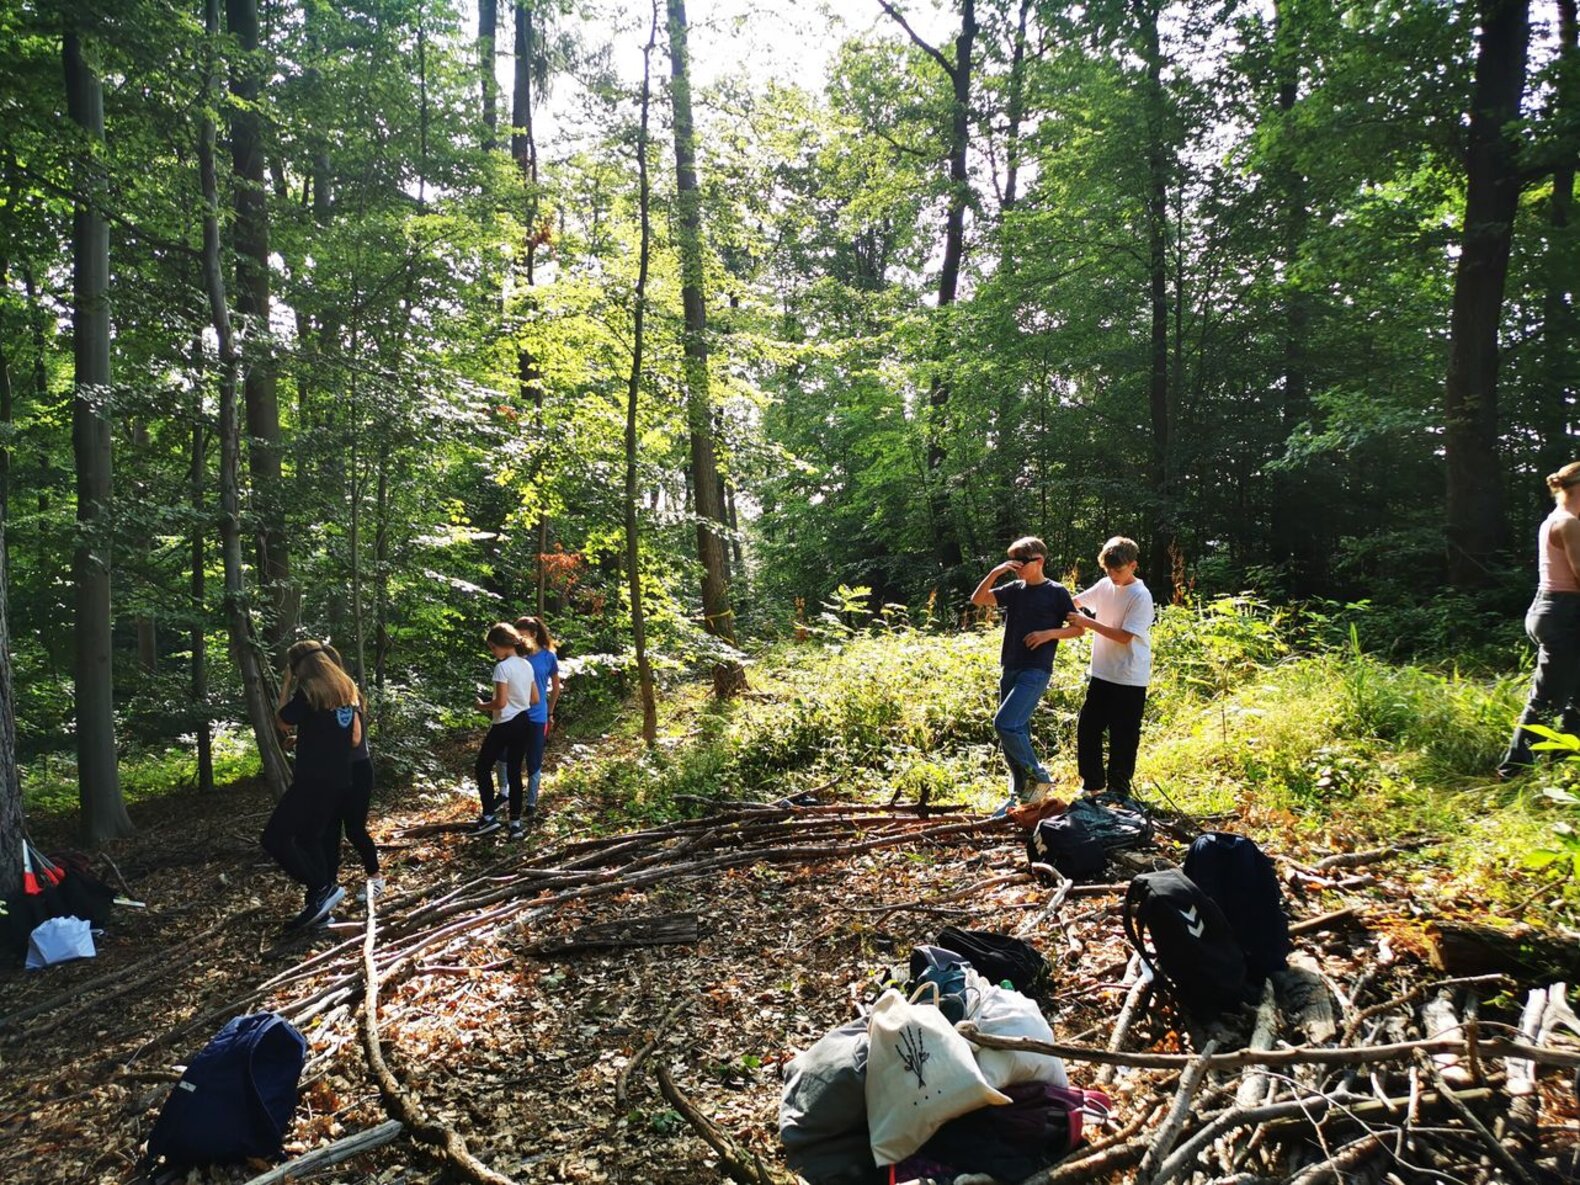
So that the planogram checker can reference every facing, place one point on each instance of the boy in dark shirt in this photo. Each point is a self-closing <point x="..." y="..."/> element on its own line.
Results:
<point x="1036" y="610"/>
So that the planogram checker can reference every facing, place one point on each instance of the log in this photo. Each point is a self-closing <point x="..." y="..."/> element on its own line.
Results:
<point x="1135" y="1004"/>
<point x="1305" y="1001"/>
<point x="669" y="929"/>
<point x="1254" y="1084"/>
<point x="1163" y="1139"/>
<point x="1439" y="1019"/>
<point x="330" y="1154"/>
<point x="1467" y="948"/>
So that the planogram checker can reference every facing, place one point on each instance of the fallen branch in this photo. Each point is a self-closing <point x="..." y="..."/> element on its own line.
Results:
<point x="1496" y="1150"/>
<point x="732" y="1159"/>
<point x="400" y="1102"/>
<point x="1135" y="1003"/>
<point x="640" y="1055"/>
<point x="1163" y="1139"/>
<point x="1324" y="921"/>
<point x="1343" y="1161"/>
<point x="330" y="1154"/>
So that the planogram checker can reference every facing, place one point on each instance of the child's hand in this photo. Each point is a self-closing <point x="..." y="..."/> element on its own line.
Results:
<point x="1037" y="637"/>
<point x="548" y="727"/>
<point x="1077" y="619"/>
<point x="485" y="705"/>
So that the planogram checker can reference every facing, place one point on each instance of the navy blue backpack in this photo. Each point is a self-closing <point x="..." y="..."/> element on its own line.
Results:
<point x="1242" y="882"/>
<point x="236" y="1098"/>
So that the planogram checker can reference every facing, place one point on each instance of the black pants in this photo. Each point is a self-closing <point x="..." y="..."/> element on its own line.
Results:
<point x="294" y="834"/>
<point x="1553" y="623"/>
<point x="352" y="818"/>
<point x="1115" y="709"/>
<point x="510" y="741"/>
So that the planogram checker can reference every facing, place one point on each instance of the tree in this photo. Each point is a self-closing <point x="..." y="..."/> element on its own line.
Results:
<point x="1476" y="528"/>
<point x="729" y="676"/>
<point x="11" y="821"/>
<point x="260" y="384"/>
<point x="98" y="775"/>
<point x="633" y="550"/>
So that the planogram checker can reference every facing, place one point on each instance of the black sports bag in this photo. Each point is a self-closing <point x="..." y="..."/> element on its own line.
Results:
<point x="1184" y="937"/>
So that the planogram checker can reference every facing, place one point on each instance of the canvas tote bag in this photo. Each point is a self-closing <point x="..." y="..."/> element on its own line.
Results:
<point x="920" y="1074"/>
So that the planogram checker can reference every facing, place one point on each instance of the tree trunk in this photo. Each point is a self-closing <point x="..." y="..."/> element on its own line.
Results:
<point x="1477" y="533"/>
<point x="1016" y="112"/>
<point x="1161" y="553"/>
<point x="1559" y="328"/>
<point x="39" y="324"/>
<point x="644" y="673"/>
<point x="729" y="677"/>
<point x="98" y="778"/>
<point x="251" y="236"/>
<point x="524" y="148"/>
<point x="11" y="821"/>
<point x="381" y="580"/>
<point x="487" y="33"/>
<point x="199" y="595"/>
<point x="248" y="655"/>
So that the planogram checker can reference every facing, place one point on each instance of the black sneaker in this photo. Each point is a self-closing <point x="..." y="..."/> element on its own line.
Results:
<point x="318" y="906"/>
<point x="486" y="825"/>
<point x="518" y="828"/>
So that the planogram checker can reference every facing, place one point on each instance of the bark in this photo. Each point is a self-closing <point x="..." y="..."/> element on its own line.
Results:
<point x="1476" y="531"/>
<point x="199" y="596"/>
<point x="381" y="581"/>
<point x="99" y="788"/>
<point x="11" y="821"/>
<point x="644" y="672"/>
<point x="1161" y="554"/>
<point x="523" y="147"/>
<point x="1559" y="329"/>
<point x="1017" y="110"/>
<point x="245" y="649"/>
<point x="729" y="677"/>
<point x="487" y="33"/>
<point x="260" y="388"/>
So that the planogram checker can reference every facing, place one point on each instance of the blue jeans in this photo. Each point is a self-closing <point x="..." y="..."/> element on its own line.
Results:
<point x="533" y="759"/>
<point x="1553" y="623"/>
<point x="1019" y="691"/>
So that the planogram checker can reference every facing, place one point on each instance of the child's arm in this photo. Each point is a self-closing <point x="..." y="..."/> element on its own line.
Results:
<point x="1038" y="637"/>
<point x="984" y="592"/>
<point x="537" y="696"/>
<point x="1112" y="632"/>
<point x="501" y="698"/>
<point x="285" y="698"/>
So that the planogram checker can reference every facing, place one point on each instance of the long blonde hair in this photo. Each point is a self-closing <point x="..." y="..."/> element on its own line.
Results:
<point x="319" y="676"/>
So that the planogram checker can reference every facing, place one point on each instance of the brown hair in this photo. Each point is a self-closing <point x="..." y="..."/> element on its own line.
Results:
<point x="1118" y="552"/>
<point x="1567" y="476"/>
<point x="320" y="679"/>
<point x="1027" y="548"/>
<point x="502" y="633"/>
<point x="534" y="629"/>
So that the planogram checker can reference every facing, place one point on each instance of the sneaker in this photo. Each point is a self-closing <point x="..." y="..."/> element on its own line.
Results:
<point x="486" y="825"/>
<point x="373" y="887"/>
<point x="318" y="906"/>
<point x="518" y="828"/>
<point x="1036" y="793"/>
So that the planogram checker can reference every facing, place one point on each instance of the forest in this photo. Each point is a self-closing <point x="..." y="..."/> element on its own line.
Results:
<point x="736" y="341"/>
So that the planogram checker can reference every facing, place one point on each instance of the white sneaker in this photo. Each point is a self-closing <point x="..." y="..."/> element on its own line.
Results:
<point x="1037" y="793"/>
<point x="373" y="887"/>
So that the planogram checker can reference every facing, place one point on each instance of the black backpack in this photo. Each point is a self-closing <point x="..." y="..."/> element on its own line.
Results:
<point x="236" y="1098"/>
<point x="1077" y="842"/>
<point x="1183" y="936"/>
<point x="1237" y="875"/>
<point x="996" y="957"/>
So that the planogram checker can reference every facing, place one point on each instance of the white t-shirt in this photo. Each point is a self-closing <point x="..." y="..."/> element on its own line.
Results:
<point x="1130" y="608"/>
<point x="516" y="674"/>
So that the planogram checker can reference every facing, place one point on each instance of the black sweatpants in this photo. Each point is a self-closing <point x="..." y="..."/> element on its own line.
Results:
<point x="1115" y="709"/>
<point x="508" y="740"/>
<point x="294" y="834"/>
<point x="353" y="820"/>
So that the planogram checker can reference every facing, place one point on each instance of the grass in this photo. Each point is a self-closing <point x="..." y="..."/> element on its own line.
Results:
<point x="49" y="784"/>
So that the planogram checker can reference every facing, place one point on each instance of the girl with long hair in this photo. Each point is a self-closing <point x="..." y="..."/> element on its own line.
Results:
<point x="515" y="691"/>
<point x="546" y="666"/>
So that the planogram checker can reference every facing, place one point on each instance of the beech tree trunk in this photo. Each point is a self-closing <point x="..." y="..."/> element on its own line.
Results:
<point x="11" y="820"/>
<point x="729" y="677"/>
<point x="248" y="654"/>
<point x="1477" y="532"/>
<point x="251" y="241"/>
<point x="524" y="148"/>
<point x="1560" y="329"/>
<point x="198" y="635"/>
<point x="487" y="34"/>
<point x="644" y="672"/>
<point x="98" y="779"/>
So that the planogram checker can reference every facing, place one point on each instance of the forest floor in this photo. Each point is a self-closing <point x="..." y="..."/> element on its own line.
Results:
<point x="525" y="1052"/>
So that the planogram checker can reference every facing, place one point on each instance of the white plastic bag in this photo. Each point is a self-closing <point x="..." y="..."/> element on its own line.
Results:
<point x="57" y="940"/>
<point x="920" y="1075"/>
<point x="1002" y="1012"/>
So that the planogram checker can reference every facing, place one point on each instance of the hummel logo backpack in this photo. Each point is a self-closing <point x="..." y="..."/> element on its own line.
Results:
<point x="1187" y="942"/>
<point x="1237" y="874"/>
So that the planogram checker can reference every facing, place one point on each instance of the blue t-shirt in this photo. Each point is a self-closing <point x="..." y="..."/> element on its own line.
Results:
<point x="1028" y="607"/>
<point x="544" y="667"/>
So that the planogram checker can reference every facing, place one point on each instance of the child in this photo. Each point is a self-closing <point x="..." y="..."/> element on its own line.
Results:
<point x="515" y="691"/>
<point x="1036" y="613"/>
<point x="1116" y="693"/>
<point x="352" y="818"/>
<point x="322" y="706"/>
<point x="546" y="665"/>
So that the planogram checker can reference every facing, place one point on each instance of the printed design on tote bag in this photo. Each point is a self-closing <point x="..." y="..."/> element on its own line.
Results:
<point x="913" y="1053"/>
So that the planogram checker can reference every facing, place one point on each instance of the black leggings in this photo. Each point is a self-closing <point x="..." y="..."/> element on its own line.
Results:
<point x="294" y="834"/>
<point x="353" y="820"/>
<point x="1115" y="709"/>
<point x="508" y="740"/>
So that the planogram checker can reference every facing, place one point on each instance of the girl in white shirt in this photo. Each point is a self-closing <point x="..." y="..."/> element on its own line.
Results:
<point x="515" y="690"/>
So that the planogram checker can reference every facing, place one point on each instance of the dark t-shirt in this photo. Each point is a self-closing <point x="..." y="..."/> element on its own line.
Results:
<point x="323" y="741"/>
<point x="1029" y="607"/>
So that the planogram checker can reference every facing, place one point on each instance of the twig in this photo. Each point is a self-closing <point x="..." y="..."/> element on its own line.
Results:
<point x="1498" y="1152"/>
<point x="1354" y="859"/>
<point x="1324" y="921"/>
<point x="1410" y="997"/>
<point x="330" y="1154"/>
<point x="1254" y="1084"/>
<point x="1164" y="1138"/>
<point x="1134" y="1004"/>
<point x="1346" y="1159"/>
<point x="641" y="1054"/>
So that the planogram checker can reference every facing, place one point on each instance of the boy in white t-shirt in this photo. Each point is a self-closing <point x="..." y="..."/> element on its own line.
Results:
<point x="1116" y="694"/>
